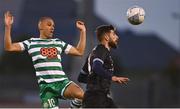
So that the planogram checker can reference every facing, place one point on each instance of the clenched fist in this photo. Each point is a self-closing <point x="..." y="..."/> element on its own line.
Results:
<point x="80" y="25"/>
<point x="8" y="19"/>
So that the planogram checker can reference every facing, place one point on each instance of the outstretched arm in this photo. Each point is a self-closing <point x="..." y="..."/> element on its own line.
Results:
<point x="79" y="49"/>
<point x="8" y="45"/>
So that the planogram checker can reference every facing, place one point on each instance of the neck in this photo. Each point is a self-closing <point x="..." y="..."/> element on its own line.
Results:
<point x="43" y="37"/>
<point x="105" y="43"/>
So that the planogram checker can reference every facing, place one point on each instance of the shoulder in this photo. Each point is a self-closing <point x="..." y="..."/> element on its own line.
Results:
<point x="100" y="48"/>
<point x="58" y="40"/>
<point x="34" y="39"/>
<point x="100" y="51"/>
<point x="28" y="40"/>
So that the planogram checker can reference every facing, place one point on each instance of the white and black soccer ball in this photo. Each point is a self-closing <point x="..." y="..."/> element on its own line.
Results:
<point x="135" y="15"/>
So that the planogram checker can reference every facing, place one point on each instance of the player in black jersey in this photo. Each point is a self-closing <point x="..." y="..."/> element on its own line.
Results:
<point x="98" y="70"/>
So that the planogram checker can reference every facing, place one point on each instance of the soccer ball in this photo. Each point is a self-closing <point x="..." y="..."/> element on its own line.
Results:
<point x="135" y="15"/>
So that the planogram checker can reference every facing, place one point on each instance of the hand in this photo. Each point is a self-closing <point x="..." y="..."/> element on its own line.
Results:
<point x="121" y="80"/>
<point x="80" y="25"/>
<point x="8" y="19"/>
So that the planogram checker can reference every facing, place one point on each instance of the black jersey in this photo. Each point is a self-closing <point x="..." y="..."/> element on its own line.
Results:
<point x="94" y="81"/>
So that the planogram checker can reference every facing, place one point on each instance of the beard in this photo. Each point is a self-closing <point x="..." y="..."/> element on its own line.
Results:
<point x="113" y="44"/>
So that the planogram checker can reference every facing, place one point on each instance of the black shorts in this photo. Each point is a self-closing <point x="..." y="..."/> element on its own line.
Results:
<point x="97" y="99"/>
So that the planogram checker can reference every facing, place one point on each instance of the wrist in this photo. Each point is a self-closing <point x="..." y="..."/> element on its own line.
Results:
<point x="8" y="26"/>
<point x="113" y="78"/>
<point x="82" y="30"/>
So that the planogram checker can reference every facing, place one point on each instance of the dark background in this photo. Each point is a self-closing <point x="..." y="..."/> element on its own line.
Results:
<point x="151" y="64"/>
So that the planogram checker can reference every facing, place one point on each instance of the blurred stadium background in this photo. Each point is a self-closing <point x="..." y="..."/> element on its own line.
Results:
<point x="148" y="54"/>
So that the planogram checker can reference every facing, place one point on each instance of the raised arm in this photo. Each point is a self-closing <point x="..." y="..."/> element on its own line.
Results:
<point x="79" y="49"/>
<point x="8" y="45"/>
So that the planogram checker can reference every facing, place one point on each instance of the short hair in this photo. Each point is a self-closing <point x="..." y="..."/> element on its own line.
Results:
<point x="44" y="18"/>
<point x="102" y="29"/>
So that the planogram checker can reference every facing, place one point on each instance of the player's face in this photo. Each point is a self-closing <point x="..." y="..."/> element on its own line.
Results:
<point x="113" y="39"/>
<point x="47" y="28"/>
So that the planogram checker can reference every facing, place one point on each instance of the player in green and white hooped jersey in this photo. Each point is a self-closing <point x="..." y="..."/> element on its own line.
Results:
<point x="46" y="56"/>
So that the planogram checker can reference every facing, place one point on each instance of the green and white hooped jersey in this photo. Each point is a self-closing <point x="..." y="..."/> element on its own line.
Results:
<point x="46" y="57"/>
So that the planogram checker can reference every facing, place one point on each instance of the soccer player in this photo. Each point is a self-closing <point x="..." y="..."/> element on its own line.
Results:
<point x="46" y="56"/>
<point x="98" y="70"/>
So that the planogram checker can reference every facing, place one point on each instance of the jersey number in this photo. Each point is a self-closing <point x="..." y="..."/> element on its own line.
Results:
<point x="51" y="103"/>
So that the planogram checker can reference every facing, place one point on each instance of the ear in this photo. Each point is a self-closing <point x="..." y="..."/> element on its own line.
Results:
<point x="106" y="37"/>
<point x="39" y="26"/>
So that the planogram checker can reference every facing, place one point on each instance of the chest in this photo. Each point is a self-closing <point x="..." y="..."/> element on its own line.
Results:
<point x="42" y="50"/>
<point x="108" y="63"/>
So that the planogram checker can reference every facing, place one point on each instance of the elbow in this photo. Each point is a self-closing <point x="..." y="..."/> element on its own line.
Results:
<point x="98" y="71"/>
<point x="80" y="53"/>
<point x="7" y="48"/>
